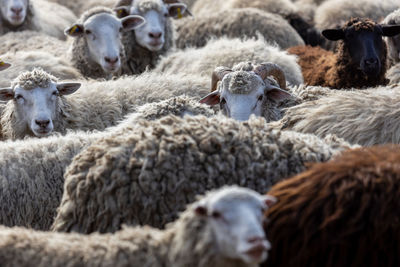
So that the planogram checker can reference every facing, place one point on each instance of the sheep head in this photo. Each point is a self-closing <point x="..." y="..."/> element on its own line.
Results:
<point x="234" y="215"/>
<point x="35" y="96"/>
<point x="14" y="11"/>
<point x="363" y="43"/>
<point x="244" y="92"/>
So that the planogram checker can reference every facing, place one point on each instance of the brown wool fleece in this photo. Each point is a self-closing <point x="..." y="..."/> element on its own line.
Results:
<point x="344" y="212"/>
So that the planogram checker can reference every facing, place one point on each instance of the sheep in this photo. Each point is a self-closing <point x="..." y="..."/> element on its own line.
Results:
<point x="37" y="105"/>
<point x="344" y="212"/>
<point x="145" y="45"/>
<point x="38" y="15"/>
<point x="393" y="43"/>
<point x="236" y="23"/>
<point x="151" y="172"/>
<point x="229" y="52"/>
<point x="284" y="8"/>
<point x="31" y="177"/>
<point x="97" y="50"/>
<point x="360" y="60"/>
<point x="223" y="228"/>
<point x="367" y="117"/>
<point x="247" y="90"/>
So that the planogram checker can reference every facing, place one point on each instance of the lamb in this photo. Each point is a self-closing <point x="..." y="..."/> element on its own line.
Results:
<point x="31" y="177"/>
<point x="37" y="15"/>
<point x="360" y="60"/>
<point x="223" y="228"/>
<point x="145" y="45"/>
<point x="393" y="43"/>
<point x="285" y="8"/>
<point x="236" y="23"/>
<point x="97" y="50"/>
<point x="229" y="52"/>
<point x="367" y="117"/>
<point x="151" y="172"/>
<point x="37" y="105"/>
<point x="348" y="206"/>
<point x="247" y="90"/>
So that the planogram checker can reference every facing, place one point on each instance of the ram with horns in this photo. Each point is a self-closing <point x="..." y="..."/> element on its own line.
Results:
<point x="247" y="89"/>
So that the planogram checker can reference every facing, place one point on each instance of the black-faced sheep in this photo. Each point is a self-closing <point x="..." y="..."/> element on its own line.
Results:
<point x="145" y="45"/>
<point x="246" y="89"/>
<point x="360" y="60"/>
<point x="344" y="212"/>
<point x="366" y="117"/>
<point x="37" y="15"/>
<point x="236" y="23"/>
<point x="149" y="174"/>
<point x="221" y="229"/>
<point x="393" y="43"/>
<point x="229" y="52"/>
<point x="31" y="170"/>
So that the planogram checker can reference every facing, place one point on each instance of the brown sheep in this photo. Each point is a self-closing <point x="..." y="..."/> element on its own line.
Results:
<point x="360" y="59"/>
<point x="345" y="212"/>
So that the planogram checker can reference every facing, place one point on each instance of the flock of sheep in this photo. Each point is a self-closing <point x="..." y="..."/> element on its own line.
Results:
<point x="200" y="133"/>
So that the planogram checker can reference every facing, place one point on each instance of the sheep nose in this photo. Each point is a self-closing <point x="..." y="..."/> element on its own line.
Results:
<point x="255" y="239"/>
<point x="113" y="60"/>
<point x="155" y="35"/>
<point x="42" y="123"/>
<point x="371" y="62"/>
<point x="16" y="10"/>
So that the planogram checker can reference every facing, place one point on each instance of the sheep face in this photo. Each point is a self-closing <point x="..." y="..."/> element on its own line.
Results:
<point x="364" y="44"/>
<point x="242" y="93"/>
<point x="235" y="217"/>
<point x="14" y="11"/>
<point x="4" y="65"/>
<point x="151" y="35"/>
<point x="102" y="33"/>
<point x="36" y="108"/>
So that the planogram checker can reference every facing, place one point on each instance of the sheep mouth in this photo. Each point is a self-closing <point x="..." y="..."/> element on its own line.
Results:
<point x="257" y="252"/>
<point x="17" y="18"/>
<point x="42" y="132"/>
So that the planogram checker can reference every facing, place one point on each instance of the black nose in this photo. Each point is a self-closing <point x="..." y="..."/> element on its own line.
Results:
<point x="42" y="123"/>
<point x="16" y="10"/>
<point x="111" y="60"/>
<point x="371" y="62"/>
<point x="155" y="35"/>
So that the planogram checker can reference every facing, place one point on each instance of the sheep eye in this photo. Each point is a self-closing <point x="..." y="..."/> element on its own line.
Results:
<point x="223" y="101"/>
<point x="18" y="97"/>
<point x="165" y="14"/>
<point x="216" y="214"/>
<point x="120" y="29"/>
<point x="55" y="93"/>
<point x="88" y="32"/>
<point x="260" y="98"/>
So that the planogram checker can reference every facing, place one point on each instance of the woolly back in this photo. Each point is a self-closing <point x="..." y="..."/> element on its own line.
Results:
<point x="345" y="212"/>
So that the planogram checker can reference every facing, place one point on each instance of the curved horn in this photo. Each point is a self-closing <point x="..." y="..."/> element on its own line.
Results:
<point x="270" y="69"/>
<point x="217" y="75"/>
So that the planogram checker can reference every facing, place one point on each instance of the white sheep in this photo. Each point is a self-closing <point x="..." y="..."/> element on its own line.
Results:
<point x="229" y="52"/>
<point x="148" y="174"/>
<point x="393" y="43"/>
<point x="37" y="106"/>
<point x="368" y="117"/>
<point x="236" y="23"/>
<point x="223" y="228"/>
<point x="246" y="89"/>
<point x="146" y="44"/>
<point x="38" y="15"/>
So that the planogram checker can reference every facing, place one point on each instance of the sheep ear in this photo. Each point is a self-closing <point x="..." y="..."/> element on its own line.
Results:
<point x="333" y="34"/>
<point x="67" y="88"/>
<point x="132" y="22"/>
<point x="277" y="94"/>
<point x="270" y="200"/>
<point x="6" y="94"/>
<point x="122" y="11"/>
<point x="211" y="99"/>
<point x="4" y="65"/>
<point x="177" y="10"/>
<point x="200" y="210"/>
<point x="75" y="31"/>
<point x="390" y="30"/>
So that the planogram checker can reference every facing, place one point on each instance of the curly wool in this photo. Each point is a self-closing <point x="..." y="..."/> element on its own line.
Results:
<point x="29" y="80"/>
<point x="236" y="23"/>
<point x="229" y="52"/>
<point x="393" y="74"/>
<point x="367" y="117"/>
<point x="36" y="166"/>
<point x="138" y="58"/>
<point x="189" y="241"/>
<point x="348" y="206"/>
<point x="149" y="174"/>
<point x="393" y="47"/>
<point x="79" y="52"/>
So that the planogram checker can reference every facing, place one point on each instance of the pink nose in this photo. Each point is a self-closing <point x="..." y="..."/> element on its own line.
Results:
<point x="155" y="35"/>
<point x="111" y="60"/>
<point x="16" y="10"/>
